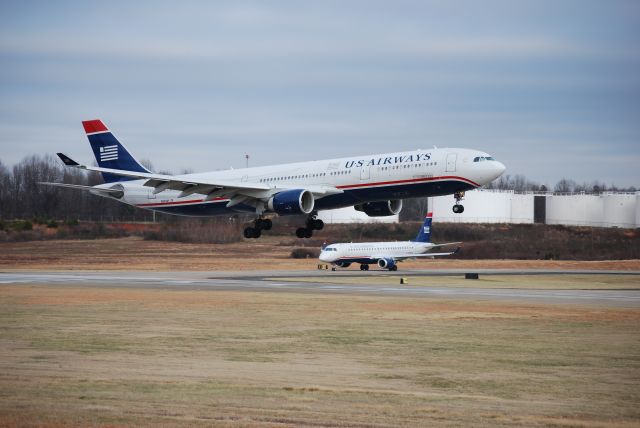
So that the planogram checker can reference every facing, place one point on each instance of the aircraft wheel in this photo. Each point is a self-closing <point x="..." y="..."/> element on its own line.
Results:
<point x="317" y="224"/>
<point x="457" y="209"/>
<point x="308" y="233"/>
<point x="363" y="267"/>
<point x="251" y="232"/>
<point x="267" y="224"/>
<point x="366" y="267"/>
<point x="393" y="268"/>
<point x="461" y="209"/>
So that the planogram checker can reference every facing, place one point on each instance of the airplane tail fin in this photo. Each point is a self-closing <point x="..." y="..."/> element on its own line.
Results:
<point x="109" y="152"/>
<point x="424" y="235"/>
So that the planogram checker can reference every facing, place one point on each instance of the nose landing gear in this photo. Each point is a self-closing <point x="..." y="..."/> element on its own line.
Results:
<point x="458" y="208"/>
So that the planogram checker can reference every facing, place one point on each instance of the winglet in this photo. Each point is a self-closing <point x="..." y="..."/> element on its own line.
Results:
<point x="67" y="160"/>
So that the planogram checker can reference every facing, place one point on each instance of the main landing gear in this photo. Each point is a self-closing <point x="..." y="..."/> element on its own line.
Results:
<point x="312" y="224"/>
<point x="259" y="225"/>
<point x="364" y="267"/>
<point x="458" y="208"/>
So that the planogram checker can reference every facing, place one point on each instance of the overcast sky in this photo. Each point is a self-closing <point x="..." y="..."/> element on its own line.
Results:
<point x="551" y="88"/>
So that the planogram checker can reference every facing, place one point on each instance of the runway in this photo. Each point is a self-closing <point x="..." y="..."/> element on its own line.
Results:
<point x="333" y="282"/>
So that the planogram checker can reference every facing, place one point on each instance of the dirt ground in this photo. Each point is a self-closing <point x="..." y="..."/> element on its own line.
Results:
<point x="134" y="253"/>
<point x="73" y="356"/>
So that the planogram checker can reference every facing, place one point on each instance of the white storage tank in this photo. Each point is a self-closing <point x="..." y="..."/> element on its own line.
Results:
<point x="577" y="210"/>
<point x="619" y="210"/>
<point x="637" y="209"/>
<point x="485" y="206"/>
<point x="522" y="208"/>
<point x="351" y="215"/>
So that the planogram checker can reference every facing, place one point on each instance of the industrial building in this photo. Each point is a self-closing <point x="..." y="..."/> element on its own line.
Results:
<point x="506" y="206"/>
<point x="579" y="209"/>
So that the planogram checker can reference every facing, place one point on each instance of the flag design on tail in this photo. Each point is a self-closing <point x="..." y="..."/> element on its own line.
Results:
<point x="424" y="235"/>
<point x="109" y="152"/>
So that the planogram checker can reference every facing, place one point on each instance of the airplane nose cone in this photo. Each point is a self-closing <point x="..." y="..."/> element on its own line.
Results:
<point x="323" y="257"/>
<point x="497" y="169"/>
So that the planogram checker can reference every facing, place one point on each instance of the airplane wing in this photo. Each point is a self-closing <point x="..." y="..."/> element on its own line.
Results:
<point x="444" y="245"/>
<point x="240" y="190"/>
<point x="413" y="256"/>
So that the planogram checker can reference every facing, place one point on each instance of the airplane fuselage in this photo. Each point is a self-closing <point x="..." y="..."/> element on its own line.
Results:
<point x="390" y="176"/>
<point x="371" y="252"/>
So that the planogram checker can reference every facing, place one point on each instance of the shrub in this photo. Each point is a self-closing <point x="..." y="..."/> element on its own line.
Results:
<point x="206" y="231"/>
<point x="71" y="222"/>
<point x="305" y="253"/>
<point x="52" y="224"/>
<point x="39" y="220"/>
<point x="22" y="225"/>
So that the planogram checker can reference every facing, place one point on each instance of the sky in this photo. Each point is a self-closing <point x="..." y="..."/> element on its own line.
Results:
<point x="550" y="88"/>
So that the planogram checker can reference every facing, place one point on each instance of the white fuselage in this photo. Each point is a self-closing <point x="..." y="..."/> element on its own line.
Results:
<point x="370" y="252"/>
<point x="360" y="179"/>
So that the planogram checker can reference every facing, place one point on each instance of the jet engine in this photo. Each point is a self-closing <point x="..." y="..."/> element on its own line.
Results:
<point x="343" y="264"/>
<point x="296" y="201"/>
<point x="381" y="209"/>
<point x="387" y="263"/>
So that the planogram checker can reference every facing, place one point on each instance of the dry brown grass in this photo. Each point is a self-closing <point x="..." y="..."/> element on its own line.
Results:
<point x="104" y="357"/>
<point x="274" y="253"/>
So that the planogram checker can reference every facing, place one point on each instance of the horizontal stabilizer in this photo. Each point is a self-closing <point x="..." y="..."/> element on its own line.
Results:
<point x="81" y="187"/>
<point x="67" y="160"/>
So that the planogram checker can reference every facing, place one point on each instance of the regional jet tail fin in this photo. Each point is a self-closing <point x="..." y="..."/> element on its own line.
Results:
<point x="109" y="152"/>
<point x="424" y="235"/>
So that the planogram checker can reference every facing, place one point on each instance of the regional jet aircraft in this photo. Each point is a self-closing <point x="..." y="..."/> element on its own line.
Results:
<point x="375" y="184"/>
<point x="385" y="254"/>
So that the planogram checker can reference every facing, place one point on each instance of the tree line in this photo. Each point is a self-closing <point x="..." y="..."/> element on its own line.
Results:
<point x="21" y="197"/>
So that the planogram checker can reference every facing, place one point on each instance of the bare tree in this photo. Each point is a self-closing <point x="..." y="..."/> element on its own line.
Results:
<point x="565" y="186"/>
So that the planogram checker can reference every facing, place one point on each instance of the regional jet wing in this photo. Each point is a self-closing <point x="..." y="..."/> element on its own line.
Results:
<point x="413" y="256"/>
<point x="444" y="245"/>
<point x="187" y="186"/>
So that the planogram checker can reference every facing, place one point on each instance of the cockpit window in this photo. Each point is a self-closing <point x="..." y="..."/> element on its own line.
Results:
<point x="483" y="158"/>
<point x="330" y="249"/>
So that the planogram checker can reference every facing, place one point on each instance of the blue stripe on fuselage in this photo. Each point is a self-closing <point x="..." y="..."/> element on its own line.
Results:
<point x="348" y="198"/>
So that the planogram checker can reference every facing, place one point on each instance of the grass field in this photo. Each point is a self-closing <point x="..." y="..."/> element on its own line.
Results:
<point x="134" y="253"/>
<point x="107" y="357"/>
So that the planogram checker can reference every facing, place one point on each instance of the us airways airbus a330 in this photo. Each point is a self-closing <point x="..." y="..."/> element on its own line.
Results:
<point x="375" y="184"/>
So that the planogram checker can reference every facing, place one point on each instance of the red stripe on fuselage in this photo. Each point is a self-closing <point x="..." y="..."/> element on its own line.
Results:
<point x="349" y="186"/>
<point x="412" y="180"/>
<point x="91" y="126"/>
